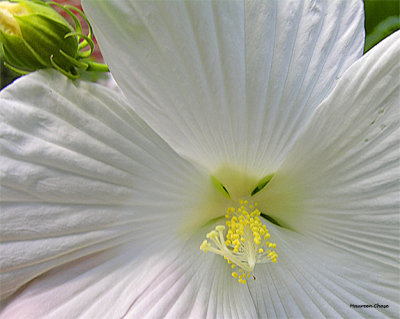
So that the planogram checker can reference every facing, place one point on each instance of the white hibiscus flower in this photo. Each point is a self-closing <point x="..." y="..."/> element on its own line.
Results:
<point x="103" y="213"/>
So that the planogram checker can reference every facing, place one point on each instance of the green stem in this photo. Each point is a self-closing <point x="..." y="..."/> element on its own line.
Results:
<point x="97" y="67"/>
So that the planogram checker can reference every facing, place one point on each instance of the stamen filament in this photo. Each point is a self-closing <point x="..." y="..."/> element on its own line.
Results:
<point x="241" y="244"/>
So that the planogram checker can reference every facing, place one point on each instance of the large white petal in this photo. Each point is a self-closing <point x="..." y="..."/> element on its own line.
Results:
<point x="82" y="173"/>
<point x="295" y="53"/>
<point x="340" y="183"/>
<point x="228" y="82"/>
<point x="313" y="280"/>
<point x="179" y="281"/>
<point x="310" y="280"/>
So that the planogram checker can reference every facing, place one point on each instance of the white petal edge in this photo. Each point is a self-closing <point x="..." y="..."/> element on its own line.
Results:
<point x="314" y="280"/>
<point x="81" y="173"/>
<point x="339" y="184"/>
<point x="178" y="281"/>
<point x="213" y="77"/>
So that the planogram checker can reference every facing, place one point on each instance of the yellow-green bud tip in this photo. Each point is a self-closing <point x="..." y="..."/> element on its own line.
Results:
<point x="8" y="11"/>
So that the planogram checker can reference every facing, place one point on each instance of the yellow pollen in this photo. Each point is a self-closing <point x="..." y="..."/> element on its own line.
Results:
<point x="240" y="241"/>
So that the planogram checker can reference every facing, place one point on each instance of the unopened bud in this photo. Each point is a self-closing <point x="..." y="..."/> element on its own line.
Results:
<point x="34" y="36"/>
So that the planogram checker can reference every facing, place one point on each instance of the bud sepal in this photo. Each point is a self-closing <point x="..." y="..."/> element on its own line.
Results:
<point x="34" y="36"/>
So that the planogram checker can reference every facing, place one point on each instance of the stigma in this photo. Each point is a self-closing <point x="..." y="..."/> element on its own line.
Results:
<point x="244" y="242"/>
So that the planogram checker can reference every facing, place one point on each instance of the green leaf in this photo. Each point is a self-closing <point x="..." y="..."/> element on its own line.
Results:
<point x="381" y="31"/>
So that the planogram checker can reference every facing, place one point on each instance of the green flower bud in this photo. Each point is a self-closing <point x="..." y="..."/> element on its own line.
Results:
<point x="35" y="36"/>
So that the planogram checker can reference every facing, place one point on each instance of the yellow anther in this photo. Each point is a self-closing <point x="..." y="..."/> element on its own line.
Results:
<point x="240" y="245"/>
<point x="211" y="234"/>
<point x="204" y="246"/>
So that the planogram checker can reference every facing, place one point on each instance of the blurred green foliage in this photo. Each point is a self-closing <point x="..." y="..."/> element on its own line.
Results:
<point x="378" y="10"/>
<point x="6" y="75"/>
<point x="382" y="17"/>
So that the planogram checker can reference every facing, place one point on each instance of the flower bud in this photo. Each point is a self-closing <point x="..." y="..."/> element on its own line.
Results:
<point x="34" y="36"/>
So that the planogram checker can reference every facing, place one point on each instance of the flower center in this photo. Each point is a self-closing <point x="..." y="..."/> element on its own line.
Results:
<point x="244" y="243"/>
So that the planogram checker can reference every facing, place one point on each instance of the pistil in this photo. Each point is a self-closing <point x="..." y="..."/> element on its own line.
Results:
<point x="244" y="242"/>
